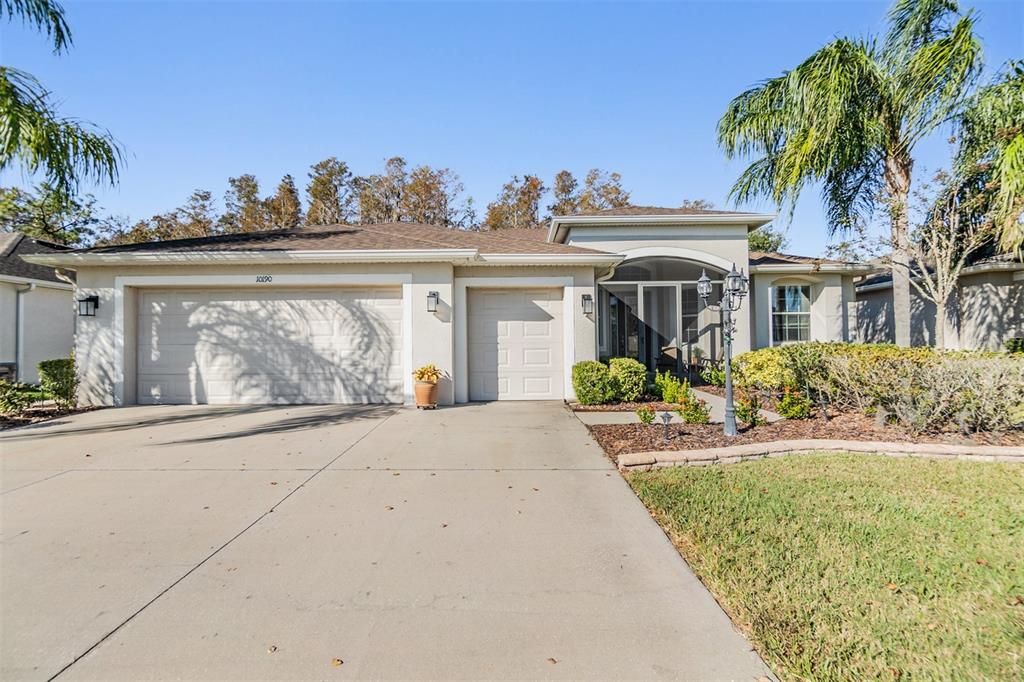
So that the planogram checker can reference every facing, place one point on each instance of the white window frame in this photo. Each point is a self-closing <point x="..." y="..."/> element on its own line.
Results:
<point x="772" y="313"/>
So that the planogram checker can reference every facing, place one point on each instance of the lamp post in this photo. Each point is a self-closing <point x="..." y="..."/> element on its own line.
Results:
<point x="732" y="295"/>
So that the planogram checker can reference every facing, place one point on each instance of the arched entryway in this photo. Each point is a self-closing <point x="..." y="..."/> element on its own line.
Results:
<point x="649" y="310"/>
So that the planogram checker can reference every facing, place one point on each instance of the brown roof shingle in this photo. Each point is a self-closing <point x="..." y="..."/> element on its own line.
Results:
<point x="662" y="210"/>
<point x="14" y="245"/>
<point x="383" y="236"/>
<point x="775" y="258"/>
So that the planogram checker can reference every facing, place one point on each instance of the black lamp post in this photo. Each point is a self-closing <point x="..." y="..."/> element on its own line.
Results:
<point x="732" y="295"/>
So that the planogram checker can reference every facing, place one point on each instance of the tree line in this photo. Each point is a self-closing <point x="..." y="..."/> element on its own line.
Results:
<point x="332" y="195"/>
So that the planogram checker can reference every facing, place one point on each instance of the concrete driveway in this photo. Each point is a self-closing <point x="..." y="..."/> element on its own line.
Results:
<point x="325" y="542"/>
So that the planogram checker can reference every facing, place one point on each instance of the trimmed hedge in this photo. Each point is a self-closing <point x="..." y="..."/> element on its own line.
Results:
<point x="592" y="382"/>
<point x="59" y="380"/>
<point x="629" y="377"/>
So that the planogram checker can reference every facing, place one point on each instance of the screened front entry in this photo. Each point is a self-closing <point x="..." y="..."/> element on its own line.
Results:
<point x="649" y="310"/>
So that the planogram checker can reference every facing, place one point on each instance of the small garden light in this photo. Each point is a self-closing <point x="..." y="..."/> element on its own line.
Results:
<point x="87" y="306"/>
<point x="666" y="418"/>
<point x="432" y="300"/>
<point x="588" y="304"/>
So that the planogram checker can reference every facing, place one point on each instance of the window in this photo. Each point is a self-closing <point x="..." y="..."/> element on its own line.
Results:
<point x="791" y="314"/>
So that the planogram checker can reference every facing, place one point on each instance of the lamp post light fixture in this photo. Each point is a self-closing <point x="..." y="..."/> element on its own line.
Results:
<point x="735" y="289"/>
<point x="666" y="418"/>
<point x="588" y="304"/>
<point x="87" y="306"/>
<point x="432" y="300"/>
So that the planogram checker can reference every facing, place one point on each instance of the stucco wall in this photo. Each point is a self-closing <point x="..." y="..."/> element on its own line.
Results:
<point x="433" y="334"/>
<point x="987" y="309"/>
<point x="719" y="246"/>
<point x="832" y="305"/>
<point x="48" y="331"/>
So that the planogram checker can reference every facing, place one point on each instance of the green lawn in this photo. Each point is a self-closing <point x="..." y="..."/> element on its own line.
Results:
<point x="854" y="566"/>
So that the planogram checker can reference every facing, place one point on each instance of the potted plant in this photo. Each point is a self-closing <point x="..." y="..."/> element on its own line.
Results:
<point x="426" y="378"/>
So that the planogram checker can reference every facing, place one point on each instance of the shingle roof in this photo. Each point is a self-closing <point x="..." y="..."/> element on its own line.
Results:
<point x="14" y="245"/>
<point x="661" y="210"/>
<point x="383" y="236"/>
<point x="775" y="258"/>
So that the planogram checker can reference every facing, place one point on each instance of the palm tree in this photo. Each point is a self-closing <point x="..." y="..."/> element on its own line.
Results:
<point x="992" y="149"/>
<point x="849" y="117"/>
<point x="32" y="133"/>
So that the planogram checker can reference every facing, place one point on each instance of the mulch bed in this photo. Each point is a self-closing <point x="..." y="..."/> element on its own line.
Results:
<point x="620" y="439"/>
<point x="34" y="415"/>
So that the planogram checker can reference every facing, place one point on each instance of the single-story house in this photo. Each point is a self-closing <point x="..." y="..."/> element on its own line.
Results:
<point x="37" y="314"/>
<point x="344" y="313"/>
<point x="985" y="311"/>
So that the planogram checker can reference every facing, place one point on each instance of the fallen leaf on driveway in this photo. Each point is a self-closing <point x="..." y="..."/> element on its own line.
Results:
<point x="336" y="662"/>
<point x="271" y="649"/>
<point x="273" y="483"/>
<point x="552" y="660"/>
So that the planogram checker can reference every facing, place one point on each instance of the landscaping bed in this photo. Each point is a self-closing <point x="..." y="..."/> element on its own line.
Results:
<point x="618" y="439"/>
<point x="34" y="415"/>
<point x="848" y="567"/>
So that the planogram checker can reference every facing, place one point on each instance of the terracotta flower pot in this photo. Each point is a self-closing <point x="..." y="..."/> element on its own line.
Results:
<point x="426" y="394"/>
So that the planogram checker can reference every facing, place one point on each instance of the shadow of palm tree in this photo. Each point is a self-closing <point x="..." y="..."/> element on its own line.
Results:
<point x="327" y="416"/>
<point x="315" y="347"/>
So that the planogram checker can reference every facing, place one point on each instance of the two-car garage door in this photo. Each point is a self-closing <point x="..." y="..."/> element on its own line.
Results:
<point x="270" y="346"/>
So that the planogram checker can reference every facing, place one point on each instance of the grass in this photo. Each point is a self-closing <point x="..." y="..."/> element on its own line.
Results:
<point x="852" y="566"/>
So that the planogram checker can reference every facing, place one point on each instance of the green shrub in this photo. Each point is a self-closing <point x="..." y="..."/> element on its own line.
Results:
<point x="629" y="377"/>
<point x="59" y="380"/>
<point x="645" y="414"/>
<point x="695" y="411"/>
<point x="748" y="409"/>
<point x="713" y="375"/>
<point x="795" y="405"/>
<point x="1015" y="345"/>
<point x="667" y="386"/>
<point x="592" y="382"/>
<point x="15" y="398"/>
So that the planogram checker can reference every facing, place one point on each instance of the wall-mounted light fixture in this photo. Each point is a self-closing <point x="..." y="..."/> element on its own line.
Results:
<point x="87" y="306"/>
<point x="432" y="300"/>
<point x="588" y="304"/>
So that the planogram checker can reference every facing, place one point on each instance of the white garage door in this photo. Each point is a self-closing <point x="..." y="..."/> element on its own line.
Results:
<point x="270" y="346"/>
<point x="515" y="344"/>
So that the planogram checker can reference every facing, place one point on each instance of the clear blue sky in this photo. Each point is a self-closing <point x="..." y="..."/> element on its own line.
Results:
<point x="197" y="92"/>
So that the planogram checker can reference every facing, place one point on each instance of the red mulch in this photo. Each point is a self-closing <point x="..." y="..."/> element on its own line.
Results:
<point x="619" y="439"/>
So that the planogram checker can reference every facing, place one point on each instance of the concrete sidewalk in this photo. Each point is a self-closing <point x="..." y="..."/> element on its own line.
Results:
<point x="485" y="541"/>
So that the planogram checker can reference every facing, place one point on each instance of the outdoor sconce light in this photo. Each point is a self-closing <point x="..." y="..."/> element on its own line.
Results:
<point x="87" y="306"/>
<point x="432" y="300"/>
<point x="588" y="304"/>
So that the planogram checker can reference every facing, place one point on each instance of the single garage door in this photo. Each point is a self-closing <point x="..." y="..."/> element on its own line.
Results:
<point x="515" y="344"/>
<point x="270" y="346"/>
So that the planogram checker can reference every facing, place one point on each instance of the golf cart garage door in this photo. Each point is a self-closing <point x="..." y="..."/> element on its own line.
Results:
<point x="269" y="346"/>
<point x="515" y="344"/>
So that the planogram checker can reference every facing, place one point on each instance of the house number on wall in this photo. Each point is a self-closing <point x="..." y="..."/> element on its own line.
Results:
<point x="264" y="279"/>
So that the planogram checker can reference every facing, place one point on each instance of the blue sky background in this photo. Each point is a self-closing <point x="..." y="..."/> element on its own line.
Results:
<point x="197" y="92"/>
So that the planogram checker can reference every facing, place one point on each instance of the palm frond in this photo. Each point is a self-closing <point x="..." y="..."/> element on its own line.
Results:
<point x="44" y="15"/>
<point x="915" y="23"/>
<point x="34" y="135"/>
<point x="934" y="82"/>
<point x="818" y="122"/>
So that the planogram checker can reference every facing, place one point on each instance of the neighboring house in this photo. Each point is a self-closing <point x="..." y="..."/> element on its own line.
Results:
<point x="37" y="313"/>
<point x="986" y="310"/>
<point x="344" y="313"/>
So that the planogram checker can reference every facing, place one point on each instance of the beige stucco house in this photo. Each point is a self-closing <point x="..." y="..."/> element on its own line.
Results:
<point x="986" y="310"/>
<point x="37" y="319"/>
<point x="344" y="313"/>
